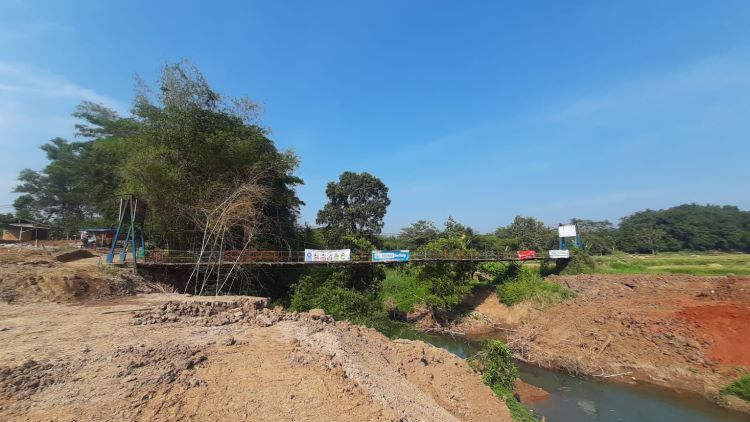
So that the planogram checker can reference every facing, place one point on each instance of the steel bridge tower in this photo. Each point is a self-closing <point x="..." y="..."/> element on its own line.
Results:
<point x="131" y="217"/>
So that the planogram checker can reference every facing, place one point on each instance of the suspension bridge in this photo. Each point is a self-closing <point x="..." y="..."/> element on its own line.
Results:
<point x="176" y="259"/>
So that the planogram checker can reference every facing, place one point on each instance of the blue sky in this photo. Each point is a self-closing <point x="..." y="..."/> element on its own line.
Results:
<point x="479" y="110"/>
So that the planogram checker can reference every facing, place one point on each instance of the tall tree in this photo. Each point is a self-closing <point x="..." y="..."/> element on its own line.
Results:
<point x="419" y="233"/>
<point x="599" y="237"/>
<point x="182" y="142"/>
<point x="356" y="206"/>
<point x="57" y="194"/>
<point x="530" y="233"/>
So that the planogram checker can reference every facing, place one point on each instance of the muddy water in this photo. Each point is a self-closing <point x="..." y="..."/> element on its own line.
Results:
<point x="578" y="399"/>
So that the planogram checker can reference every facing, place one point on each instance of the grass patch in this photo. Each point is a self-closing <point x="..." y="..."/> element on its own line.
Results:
<point x="705" y="264"/>
<point x="739" y="388"/>
<point x="529" y="285"/>
<point x="402" y="291"/>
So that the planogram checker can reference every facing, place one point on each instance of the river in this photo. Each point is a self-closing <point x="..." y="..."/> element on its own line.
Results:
<point x="576" y="399"/>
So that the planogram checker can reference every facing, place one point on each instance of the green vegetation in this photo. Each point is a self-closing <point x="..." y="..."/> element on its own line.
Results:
<point x="350" y="294"/>
<point x="686" y="227"/>
<point x="529" y="285"/>
<point x="356" y="206"/>
<point x="182" y="143"/>
<point x="704" y="264"/>
<point x="402" y="289"/>
<point x="495" y="363"/>
<point x="739" y="388"/>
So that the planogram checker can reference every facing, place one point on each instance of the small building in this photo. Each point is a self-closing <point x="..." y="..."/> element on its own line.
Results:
<point x="23" y="230"/>
<point x="97" y="237"/>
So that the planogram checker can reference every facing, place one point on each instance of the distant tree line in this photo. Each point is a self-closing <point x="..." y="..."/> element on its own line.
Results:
<point x="689" y="227"/>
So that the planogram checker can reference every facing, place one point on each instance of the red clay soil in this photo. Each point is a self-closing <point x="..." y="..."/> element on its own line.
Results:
<point x="727" y="329"/>
<point x="682" y="332"/>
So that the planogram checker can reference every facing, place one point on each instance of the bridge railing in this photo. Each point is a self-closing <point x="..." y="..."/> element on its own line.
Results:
<point x="254" y="256"/>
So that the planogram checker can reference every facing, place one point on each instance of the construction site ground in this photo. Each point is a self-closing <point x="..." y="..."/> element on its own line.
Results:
<point x="81" y="341"/>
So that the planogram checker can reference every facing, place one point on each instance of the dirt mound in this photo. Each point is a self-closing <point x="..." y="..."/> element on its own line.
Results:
<point x="29" y="378"/>
<point x="726" y="328"/>
<point x="265" y="364"/>
<point x="50" y="281"/>
<point x="208" y="312"/>
<point x="74" y="255"/>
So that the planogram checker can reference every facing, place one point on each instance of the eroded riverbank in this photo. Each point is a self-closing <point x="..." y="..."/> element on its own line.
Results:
<point x="584" y="399"/>
<point x="683" y="333"/>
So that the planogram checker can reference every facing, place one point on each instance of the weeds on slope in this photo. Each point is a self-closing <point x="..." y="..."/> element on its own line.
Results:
<point x="529" y="285"/>
<point x="739" y="388"/>
<point x="495" y="363"/>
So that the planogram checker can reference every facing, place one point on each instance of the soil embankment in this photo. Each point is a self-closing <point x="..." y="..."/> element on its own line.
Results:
<point x="682" y="332"/>
<point x="170" y="357"/>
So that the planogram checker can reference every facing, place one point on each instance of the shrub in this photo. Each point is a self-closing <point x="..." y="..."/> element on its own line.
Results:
<point x="496" y="363"/>
<point x="401" y="289"/>
<point x="332" y="291"/>
<point x="739" y="388"/>
<point x="530" y="286"/>
<point x="580" y="262"/>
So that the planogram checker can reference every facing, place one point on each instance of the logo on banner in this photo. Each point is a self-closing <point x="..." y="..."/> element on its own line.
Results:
<point x="385" y="256"/>
<point x="327" y="255"/>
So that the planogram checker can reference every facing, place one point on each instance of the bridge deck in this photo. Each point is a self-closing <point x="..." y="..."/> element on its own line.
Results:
<point x="176" y="259"/>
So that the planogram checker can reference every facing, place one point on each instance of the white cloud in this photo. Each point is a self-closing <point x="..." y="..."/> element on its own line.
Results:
<point x="12" y="34"/>
<point x="35" y="106"/>
<point x="26" y="80"/>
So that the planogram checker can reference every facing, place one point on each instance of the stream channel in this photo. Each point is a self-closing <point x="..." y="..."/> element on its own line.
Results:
<point x="576" y="399"/>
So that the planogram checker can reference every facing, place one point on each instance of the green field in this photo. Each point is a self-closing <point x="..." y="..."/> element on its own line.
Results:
<point x="675" y="263"/>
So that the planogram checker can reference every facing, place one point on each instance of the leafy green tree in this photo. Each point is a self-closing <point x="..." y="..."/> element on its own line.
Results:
<point x="455" y="229"/>
<point x="419" y="233"/>
<point x="356" y="206"/>
<point x="599" y="237"/>
<point x="686" y="227"/>
<point x="529" y="232"/>
<point x="448" y="282"/>
<point x="177" y="148"/>
<point x="57" y="194"/>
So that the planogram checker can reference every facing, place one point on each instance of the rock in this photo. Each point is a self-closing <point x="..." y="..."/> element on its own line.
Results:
<point x="229" y="341"/>
<point x="317" y="313"/>
<point x="263" y="320"/>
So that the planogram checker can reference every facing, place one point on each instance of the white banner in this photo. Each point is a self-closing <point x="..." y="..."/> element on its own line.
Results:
<point x="567" y="230"/>
<point x="327" y="255"/>
<point x="559" y="253"/>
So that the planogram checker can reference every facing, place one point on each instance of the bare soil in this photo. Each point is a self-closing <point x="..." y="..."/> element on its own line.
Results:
<point x="99" y="355"/>
<point x="682" y="332"/>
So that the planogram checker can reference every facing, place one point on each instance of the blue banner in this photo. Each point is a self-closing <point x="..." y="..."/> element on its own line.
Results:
<point x="385" y="256"/>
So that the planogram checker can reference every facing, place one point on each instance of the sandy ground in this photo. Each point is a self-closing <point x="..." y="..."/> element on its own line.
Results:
<point x="682" y="332"/>
<point x="96" y="355"/>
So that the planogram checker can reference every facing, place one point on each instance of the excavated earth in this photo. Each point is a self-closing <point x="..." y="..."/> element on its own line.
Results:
<point x="687" y="333"/>
<point x="97" y="355"/>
